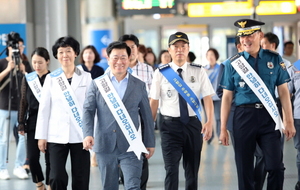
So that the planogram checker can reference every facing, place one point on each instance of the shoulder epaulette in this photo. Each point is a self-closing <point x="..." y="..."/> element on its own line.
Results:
<point x="195" y="65"/>
<point x="234" y="57"/>
<point x="163" y="66"/>
<point x="272" y="51"/>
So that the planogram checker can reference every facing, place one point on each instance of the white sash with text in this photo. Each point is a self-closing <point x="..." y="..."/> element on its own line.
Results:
<point x="68" y="95"/>
<point x="34" y="84"/>
<point x="121" y="115"/>
<point x="259" y="88"/>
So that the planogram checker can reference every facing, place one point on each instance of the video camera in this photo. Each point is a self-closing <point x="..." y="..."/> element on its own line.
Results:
<point x="13" y="39"/>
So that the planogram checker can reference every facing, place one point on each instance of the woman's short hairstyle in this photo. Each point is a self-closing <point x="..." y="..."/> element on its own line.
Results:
<point x="66" y="41"/>
<point x="216" y="53"/>
<point x="161" y="53"/>
<point x="118" y="45"/>
<point x="150" y="52"/>
<point x="40" y="51"/>
<point x="97" y="56"/>
<point x="142" y="49"/>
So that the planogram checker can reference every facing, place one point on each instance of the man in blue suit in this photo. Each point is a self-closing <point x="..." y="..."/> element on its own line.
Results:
<point x="118" y="98"/>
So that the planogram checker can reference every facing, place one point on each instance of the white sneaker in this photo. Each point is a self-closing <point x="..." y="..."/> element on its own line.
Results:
<point x="20" y="173"/>
<point x="4" y="174"/>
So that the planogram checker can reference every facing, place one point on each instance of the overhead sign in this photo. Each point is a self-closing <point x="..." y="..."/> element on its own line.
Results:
<point x="136" y="7"/>
<point x="241" y="8"/>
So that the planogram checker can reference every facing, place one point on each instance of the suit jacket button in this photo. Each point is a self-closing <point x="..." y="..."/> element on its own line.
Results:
<point x="114" y="131"/>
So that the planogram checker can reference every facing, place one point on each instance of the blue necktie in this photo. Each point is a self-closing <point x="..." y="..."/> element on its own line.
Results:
<point x="184" y="113"/>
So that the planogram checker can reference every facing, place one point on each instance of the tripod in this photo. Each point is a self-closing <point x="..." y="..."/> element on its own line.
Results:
<point x="13" y="91"/>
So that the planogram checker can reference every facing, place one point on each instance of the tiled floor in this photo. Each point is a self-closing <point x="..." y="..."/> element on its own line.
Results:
<point x="217" y="170"/>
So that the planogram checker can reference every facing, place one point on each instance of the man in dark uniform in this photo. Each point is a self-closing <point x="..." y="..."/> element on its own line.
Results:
<point x="253" y="121"/>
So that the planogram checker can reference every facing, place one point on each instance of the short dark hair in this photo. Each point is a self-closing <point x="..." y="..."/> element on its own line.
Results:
<point x="40" y="51"/>
<point x="118" y="45"/>
<point x="272" y="38"/>
<point x="66" y="41"/>
<point x="288" y="43"/>
<point x="130" y="37"/>
<point x="192" y="56"/>
<point x="216" y="53"/>
<point x="97" y="56"/>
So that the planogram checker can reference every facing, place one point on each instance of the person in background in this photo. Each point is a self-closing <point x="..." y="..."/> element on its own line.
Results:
<point x="191" y="57"/>
<point x="28" y="69"/>
<point x="103" y="62"/>
<point x="288" y="50"/>
<point x="181" y="132"/>
<point x="252" y="121"/>
<point x="141" y="53"/>
<point x="270" y="41"/>
<point x="118" y="90"/>
<point x="297" y="63"/>
<point x="145" y="73"/>
<point x="89" y="57"/>
<point x="212" y="70"/>
<point x="219" y="91"/>
<point x="27" y="115"/>
<point x="150" y="58"/>
<point x="295" y="90"/>
<point x="164" y="57"/>
<point x="6" y="66"/>
<point x="59" y="122"/>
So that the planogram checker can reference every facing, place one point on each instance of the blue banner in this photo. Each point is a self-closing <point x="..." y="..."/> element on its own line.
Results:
<point x="6" y="29"/>
<point x="100" y="39"/>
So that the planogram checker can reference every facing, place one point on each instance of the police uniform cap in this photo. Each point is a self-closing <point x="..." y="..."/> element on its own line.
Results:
<point x="248" y="26"/>
<point x="178" y="36"/>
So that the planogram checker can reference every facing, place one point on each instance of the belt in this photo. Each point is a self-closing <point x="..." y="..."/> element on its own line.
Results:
<point x="177" y="118"/>
<point x="257" y="106"/>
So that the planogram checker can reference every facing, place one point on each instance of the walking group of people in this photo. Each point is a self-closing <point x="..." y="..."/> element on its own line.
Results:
<point x="74" y="109"/>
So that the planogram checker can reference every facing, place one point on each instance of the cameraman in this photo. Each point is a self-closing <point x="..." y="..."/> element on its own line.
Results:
<point x="18" y="69"/>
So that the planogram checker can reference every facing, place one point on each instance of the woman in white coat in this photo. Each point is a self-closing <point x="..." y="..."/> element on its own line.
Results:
<point x="59" y="118"/>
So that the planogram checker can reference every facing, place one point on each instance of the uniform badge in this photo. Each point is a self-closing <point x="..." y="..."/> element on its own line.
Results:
<point x="169" y="93"/>
<point x="270" y="65"/>
<point x="192" y="79"/>
<point x="283" y="65"/>
<point x="242" y="84"/>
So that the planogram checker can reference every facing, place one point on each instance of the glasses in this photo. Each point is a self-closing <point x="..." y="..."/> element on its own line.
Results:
<point x="22" y="46"/>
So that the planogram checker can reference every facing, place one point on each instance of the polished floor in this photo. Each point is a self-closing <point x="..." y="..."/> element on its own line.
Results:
<point x="217" y="170"/>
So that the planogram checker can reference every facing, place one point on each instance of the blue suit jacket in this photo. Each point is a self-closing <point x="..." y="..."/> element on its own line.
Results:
<point x="108" y="134"/>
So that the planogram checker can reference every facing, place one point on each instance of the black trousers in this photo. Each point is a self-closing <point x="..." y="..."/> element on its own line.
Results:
<point x="253" y="126"/>
<point x="33" y="155"/>
<point x="80" y="166"/>
<point x="145" y="173"/>
<point x="179" y="140"/>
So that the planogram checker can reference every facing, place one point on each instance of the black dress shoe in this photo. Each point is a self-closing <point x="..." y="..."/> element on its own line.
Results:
<point x="297" y="187"/>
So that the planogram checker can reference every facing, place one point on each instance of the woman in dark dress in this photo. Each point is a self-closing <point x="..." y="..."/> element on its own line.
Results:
<point x="29" y="103"/>
<point x="89" y="57"/>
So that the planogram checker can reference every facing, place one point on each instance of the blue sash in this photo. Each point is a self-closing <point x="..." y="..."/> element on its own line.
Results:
<point x="182" y="88"/>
